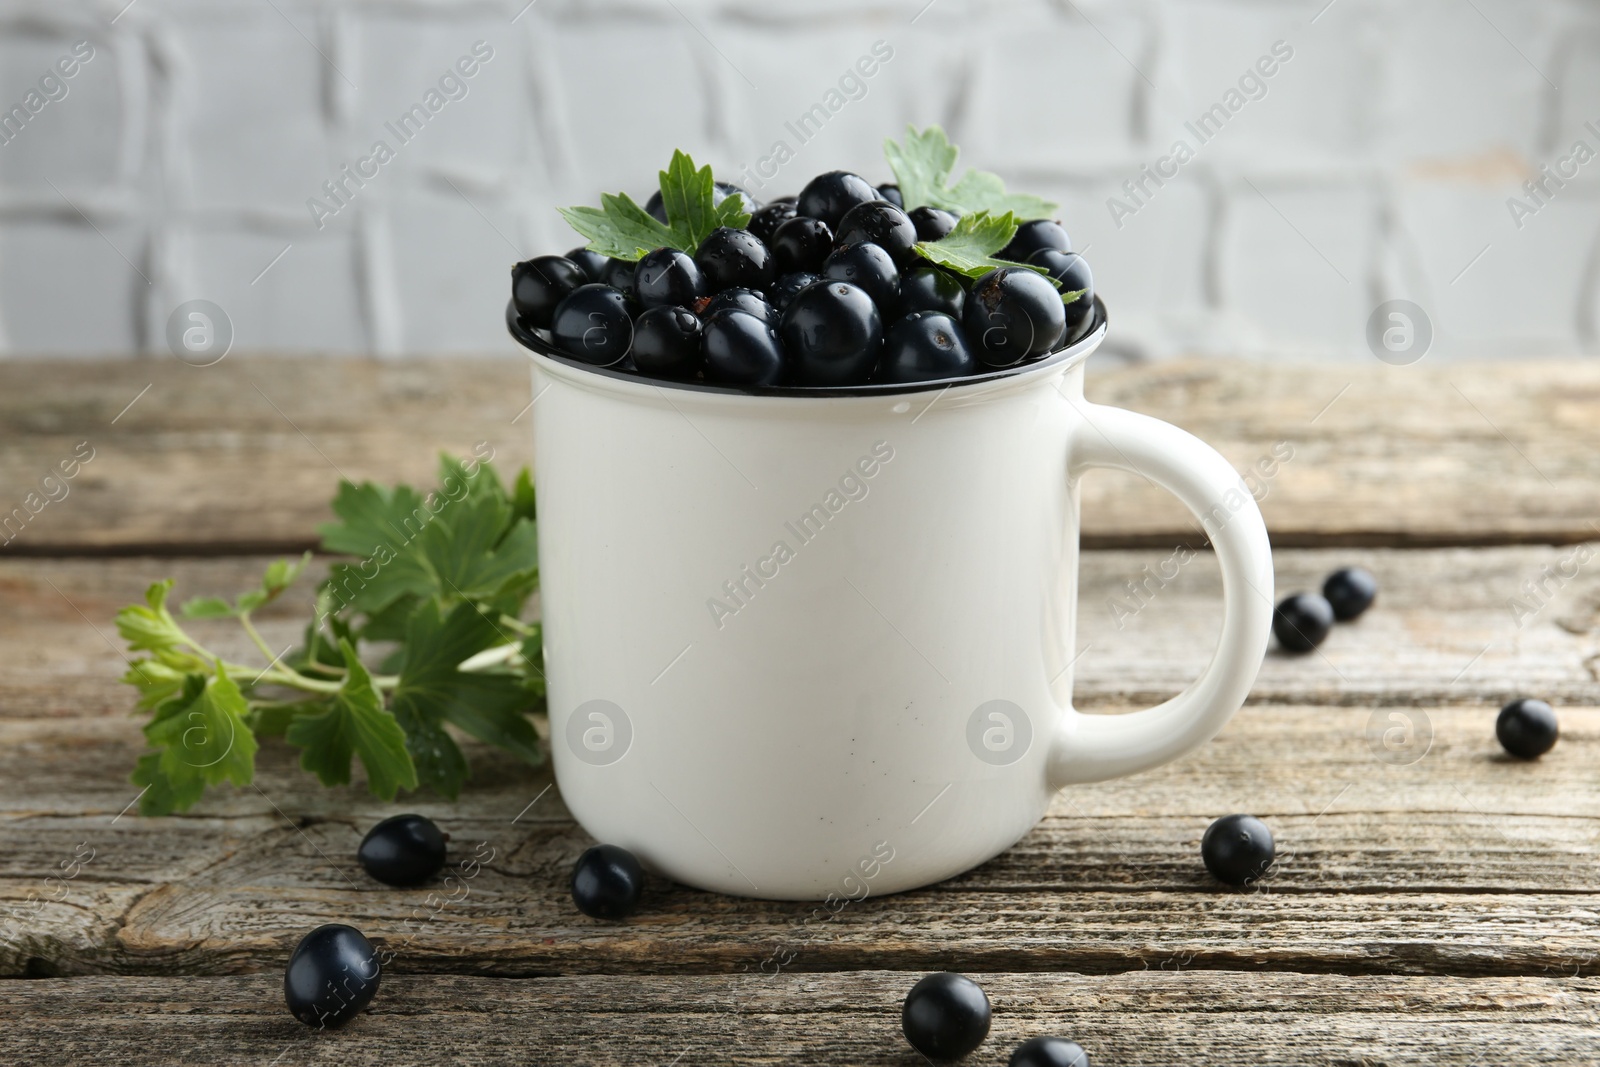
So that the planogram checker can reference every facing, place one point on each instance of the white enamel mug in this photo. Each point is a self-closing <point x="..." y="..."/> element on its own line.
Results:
<point x="802" y="645"/>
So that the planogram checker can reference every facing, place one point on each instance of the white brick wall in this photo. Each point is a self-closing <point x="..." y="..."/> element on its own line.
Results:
<point x="1377" y="164"/>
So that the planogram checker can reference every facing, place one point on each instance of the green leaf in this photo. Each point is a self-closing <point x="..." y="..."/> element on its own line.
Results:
<point x="356" y="723"/>
<point x="202" y="738"/>
<point x="524" y="501"/>
<point x="922" y="167"/>
<point x="280" y="574"/>
<point x="969" y="248"/>
<point x="624" y="230"/>
<point x="157" y="682"/>
<point x="150" y="627"/>
<point x="432" y="691"/>
<point x="206" y="607"/>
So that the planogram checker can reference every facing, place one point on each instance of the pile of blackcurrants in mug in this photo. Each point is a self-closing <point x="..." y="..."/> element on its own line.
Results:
<point x="823" y="289"/>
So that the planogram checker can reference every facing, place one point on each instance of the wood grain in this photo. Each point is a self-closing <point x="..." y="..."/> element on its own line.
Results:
<point x="1144" y="1017"/>
<point x="244" y="455"/>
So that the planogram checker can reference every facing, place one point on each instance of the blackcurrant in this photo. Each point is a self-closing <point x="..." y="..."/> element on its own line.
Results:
<point x="931" y="289"/>
<point x="1351" y="590"/>
<point x="594" y="324"/>
<point x="666" y="342"/>
<point x="891" y="192"/>
<point x="932" y="223"/>
<point x="618" y="273"/>
<point x="832" y="332"/>
<point x="925" y="346"/>
<point x="801" y="244"/>
<point x="403" y="850"/>
<point x="590" y="262"/>
<point x="1301" y="622"/>
<point x="884" y="225"/>
<point x="1237" y="849"/>
<point x="730" y="258"/>
<point x="745" y="300"/>
<point x="538" y="285"/>
<point x="1033" y="235"/>
<point x="1070" y="272"/>
<point x="332" y="975"/>
<point x="668" y="276"/>
<point x="765" y="223"/>
<point x="784" y="289"/>
<point x="870" y="267"/>
<point x="607" y="882"/>
<point x="945" y="1016"/>
<point x="1011" y="314"/>
<point x="1527" y="728"/>
<point x="828" y="196"/>
<point x="1049" y="1052"/>
<point x="741" y="349"/>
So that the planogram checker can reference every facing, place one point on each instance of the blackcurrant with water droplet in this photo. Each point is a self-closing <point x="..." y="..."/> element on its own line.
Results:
<point x="618" y="273"/>
<point x="1301" y="622"/>
<point x="403" y="850"/>
<point x="592" y="263"/>
<point x="607" y="882"/>
<point x="539" y="284"/>
<point x="745" y="300"/>
<point x="765" y="223"/>
<point x="945" y="1016"/>
<point x="801" y="244"/>
<point x="925" y="346"/>
<point x="741" y="349"/>
<point x="833" y="333"/>
<point x="932" y="223"/>
<point x="1012" y="313"/>
<point x="668" y="276"/>
<point x="1049" y="1052"/>
<point x="828" y="196"/>
<point x="666" y="342"/>
<point x="1351" y="591"/>
<point x="882" y="224"/>
<point x="931" y="289"/>
<point x="332" y="975"/>
<point x="1237" y="849"/>
<point x="782" y="291"/>
<point x="1527" y="728"/>
<point x="730" y="258"/>
<point x="594" y="324"/>
<point x="870" y="267"/>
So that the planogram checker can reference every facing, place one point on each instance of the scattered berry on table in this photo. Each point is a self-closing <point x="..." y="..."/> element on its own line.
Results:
<point x="668" y="276"/>
<point x="945" y="1016"/>
<point x="932" y="223"/>
<point x="871" y="268"/>
<point x="594" y="324"/>
<point x="1011" y="314"/>
<point x="828" y="196"/>
<point x="735" y="259"/>
<point x="882" y="224"/>
<point x="832" y="333"/>
<point x="1351" y="591"/>
<point x="741" y="349"/>
<point x="925" y="346"/>
<point x="801" y="244"/>
<point x="666" y="342"/>
<point x="539" y="284"/>
<point x="332" y="975"/>
<point x="403" y="850"/>
<point x="1527" y="728"/>
<point x="1049" y="1052"/>
<point x="607" y="882"/>
<point x="1302" y="621"/>
<point x="1237" y="849"/>
<point x="1031" y="237"/>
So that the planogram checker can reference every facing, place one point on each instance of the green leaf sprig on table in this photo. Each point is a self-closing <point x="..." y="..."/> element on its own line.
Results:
<point x="622" y="229"/>
<point x="922" y="166"/>
<point x="971" y="246"/>
<point x="441" y="582"/>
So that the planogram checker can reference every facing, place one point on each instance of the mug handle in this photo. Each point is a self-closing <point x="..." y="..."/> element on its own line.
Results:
<point x="1094" y="748"/>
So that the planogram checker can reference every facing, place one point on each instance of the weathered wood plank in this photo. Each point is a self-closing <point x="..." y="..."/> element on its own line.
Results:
<point x="1152" y="1017"/>
<point x="245" y="454"/>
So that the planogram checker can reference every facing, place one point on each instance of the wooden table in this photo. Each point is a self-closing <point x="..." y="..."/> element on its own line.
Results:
<point x="1442" y="910"/>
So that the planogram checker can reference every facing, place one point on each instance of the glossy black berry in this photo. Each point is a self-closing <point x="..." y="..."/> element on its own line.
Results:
<point x="932" y="223"/>
<point x="1301" y="622"/>
<point x="801" y="244"/>
<point x="745" y="300"/>
<point x="594" y="324"/>
<point x="1032" y="236"/>
<point x="871" y="268"/>
<point x="925" y="346"/>
<point x="538" y="285"/>
<point x="931" y="289"/>
<point x="1049" y="1052"/>
<point x="591" y="263"/>
<point x="669" y="276"/>
<point x="891" y="192"/>
<point x="1351" y="590"/>
<point x="403" y="850"/>
<point x="1071" y="273"/>
<point x="828" y="196"/>
<point x="1237" y="849"/>
<point x="882" y="224"/>
<point x="741" y="349"/>
<point x="765" y="223"/>
<point x="945" y="1016"/>
<point x="833" y="333"/>
<point x="332" y="975"/>
<point x="1011" y="314"/>
<point x="607" y="882"/>
<point x="1527" y="728"/>
<point x="618" y="274"/>
<point x="787" y="286"/>
<point x="666" y="342"/>
<point x="730" y="258"/>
